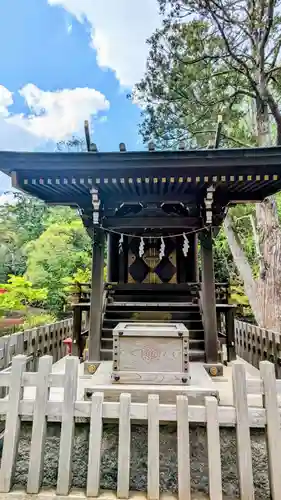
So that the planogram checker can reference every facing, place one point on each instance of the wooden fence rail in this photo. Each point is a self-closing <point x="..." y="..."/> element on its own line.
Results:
<point x="255" y="344"/>
<point x="46" y="339"/>
<point x="70" y="410"/>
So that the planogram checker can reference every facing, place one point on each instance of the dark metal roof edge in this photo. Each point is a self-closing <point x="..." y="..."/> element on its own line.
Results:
<point x="17" y="161"/>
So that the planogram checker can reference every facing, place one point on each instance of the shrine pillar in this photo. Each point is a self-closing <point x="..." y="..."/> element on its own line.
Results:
<point x="209" y="297"/>
<point x="196" y="263"/>
<point x="96" y="281"/>
<point x="112" y="258"/>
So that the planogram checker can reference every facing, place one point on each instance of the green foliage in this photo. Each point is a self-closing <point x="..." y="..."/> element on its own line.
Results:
<point x="60" y="251"/>
<point x="183" y="93"/>
<point x="72" y="283"/>
<point x="82" y="276"/>
<point x="59" y="215"/>
<point x="20" y="294"/>
<point x="26" y="215"/>
<point x="238" y="297"/>
<point x="211" y="58"/>
<point x="33" y="320"/>
<point x="47" y="245"/>
<point x="223" y="262"/>
<point x="20" y="222"/>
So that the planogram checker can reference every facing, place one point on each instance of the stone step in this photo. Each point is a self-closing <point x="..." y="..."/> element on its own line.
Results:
<point x="161" y="297"/>
<point x="185" y="306"/>
<point x="171" y="314"/>
<point x="193" y="334"/>
<point x="189" y="324"/>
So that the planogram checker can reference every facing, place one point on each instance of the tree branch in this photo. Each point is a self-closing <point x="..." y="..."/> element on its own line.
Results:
<point x="275" y="51"/>
<point x="236" y="141"/>
<point x="232" y="54"/>
<point x="232" y="22"/>
<point x="270" y="12"/>
<point x="274" y="108"/>
<point x="270" y="72"/>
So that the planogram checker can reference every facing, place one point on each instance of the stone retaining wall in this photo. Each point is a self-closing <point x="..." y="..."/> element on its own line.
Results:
<point x="138" y="474"/>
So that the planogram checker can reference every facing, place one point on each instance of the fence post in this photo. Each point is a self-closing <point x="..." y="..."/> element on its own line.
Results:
<point x="153" y="447"/>
<point x="93" y="478"/>
<point x="7" y="350"/>
<point x="214" y="455"/>
<point x="20" y="342"/>
<point x="273" y="428"/>
<point x="67" y="425"/>
<point x="48" y="342"/>
<point x="12" y="427"/>
<point x="242" y="339"/>
<point x="183" y="448"/>
<point x="248" y="353"/>
<point x="244" y="454"/>
<point x="39" y="426"/>
<point x="123" y="479"/>
<point x="35" y="349"/>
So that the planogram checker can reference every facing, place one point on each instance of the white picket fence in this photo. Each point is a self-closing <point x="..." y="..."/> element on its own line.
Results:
<point x="70" y="410"/>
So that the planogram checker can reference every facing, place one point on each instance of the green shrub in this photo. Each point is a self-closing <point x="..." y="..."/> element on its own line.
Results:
<point x="31" y="321"/>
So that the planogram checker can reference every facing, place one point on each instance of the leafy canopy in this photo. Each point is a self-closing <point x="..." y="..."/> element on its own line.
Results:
<point x="20" y="294"/>
<point x="211" y="57"/>
<point x="60" y="251"/>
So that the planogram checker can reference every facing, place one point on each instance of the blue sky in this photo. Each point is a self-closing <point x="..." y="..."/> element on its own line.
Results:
<point x="64" y="61"/>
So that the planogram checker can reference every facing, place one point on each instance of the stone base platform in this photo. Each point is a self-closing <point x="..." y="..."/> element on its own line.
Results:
<point x="201" y="385"/>
<point x="50" y="494"/>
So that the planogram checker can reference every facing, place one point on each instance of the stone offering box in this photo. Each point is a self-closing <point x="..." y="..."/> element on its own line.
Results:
<point x="150" y="353"/>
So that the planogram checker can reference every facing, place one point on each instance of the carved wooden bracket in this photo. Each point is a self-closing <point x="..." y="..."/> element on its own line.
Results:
<point x="96" y="206"/>
<point x="209" y="200"/>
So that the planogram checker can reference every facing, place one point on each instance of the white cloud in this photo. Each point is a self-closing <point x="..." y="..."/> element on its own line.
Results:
<point x="7" y="198"/>
<point x="53" y="116"/>
<point x="12" y="137"/>
<point x="6" y="99"/>
<point x="56" y="115"/>
<point x="119" y="29"/>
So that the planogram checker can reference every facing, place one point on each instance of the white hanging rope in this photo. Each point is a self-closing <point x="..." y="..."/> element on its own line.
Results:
<point x="141" y="247"/>
<point x="121" y="241"/>
<point x="194" y="231"/>
<point x="162" y="249"/>
<point x="185" y="246"/>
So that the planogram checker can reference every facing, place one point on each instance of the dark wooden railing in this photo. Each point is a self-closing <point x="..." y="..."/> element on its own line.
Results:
<point x="225" y="312"/>
<point x="222" y="293"/>
<point x="82" y="291"/>
<point x="255" y="344"/>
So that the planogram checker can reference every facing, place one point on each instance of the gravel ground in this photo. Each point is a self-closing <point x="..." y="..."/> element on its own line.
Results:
<point x="138" y="475"/>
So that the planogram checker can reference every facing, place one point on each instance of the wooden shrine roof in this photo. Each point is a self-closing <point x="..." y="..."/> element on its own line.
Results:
<point x="239" y="174"/>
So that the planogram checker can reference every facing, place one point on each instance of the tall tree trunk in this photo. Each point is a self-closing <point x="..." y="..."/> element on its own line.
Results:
<point x="243" y="267"/>
<point x="264" y="294"/>
<point x="262" y="124"/>
<point x="269" y="282"/>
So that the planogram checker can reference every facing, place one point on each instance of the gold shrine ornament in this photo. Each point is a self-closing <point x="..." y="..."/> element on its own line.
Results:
<point x="213" y="371"/>
<point x="92" y="369"/>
